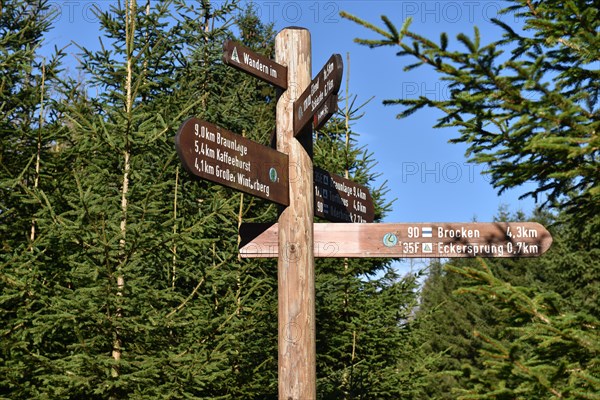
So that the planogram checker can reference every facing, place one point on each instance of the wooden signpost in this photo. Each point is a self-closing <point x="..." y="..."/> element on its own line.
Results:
<point x="408" y="240"/>
<point x="285" y="176"/>
<point x="297" y="371"/>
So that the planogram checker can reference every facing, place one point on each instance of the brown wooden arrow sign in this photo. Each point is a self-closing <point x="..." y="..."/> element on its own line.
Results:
<point x="326" y="83"/>
<point x="408" y="240"/>
<point x="220" y="156"/>
<point x="338" y="199"/>
<point x="325" y="112"/>
<point x="257" y="65"/>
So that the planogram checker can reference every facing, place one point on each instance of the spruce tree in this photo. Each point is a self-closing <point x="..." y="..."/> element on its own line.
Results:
<point x="182" y="320"/>
<point x="26" y="117"/>
<point x="527" y="106"/>
<point x="449" y="321"/>
<point x="28" y="159"/>
<point x="137" y="292"/>
<point x="129" y="284"/>
<point x="528" y="323"/>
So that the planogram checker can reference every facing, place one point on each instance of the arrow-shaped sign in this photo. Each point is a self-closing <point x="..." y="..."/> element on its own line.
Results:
<point x="326" y="83"/>
<point x="325" y="112"/>
<point x="408" y="240"/>
<point x="223" y="157"/>
<point x="257" y="65"/>
<point x="339" y="199"/>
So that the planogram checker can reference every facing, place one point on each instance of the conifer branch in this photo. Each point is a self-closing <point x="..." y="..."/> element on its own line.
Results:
<point x="182" y="305"/>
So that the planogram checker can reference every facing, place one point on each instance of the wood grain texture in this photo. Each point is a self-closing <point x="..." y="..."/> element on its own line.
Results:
<point x="406" y="240"/>
<point x="296" y="297"/>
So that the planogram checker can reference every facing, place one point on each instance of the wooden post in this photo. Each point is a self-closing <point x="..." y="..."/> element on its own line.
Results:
<point x="296" y="277"/>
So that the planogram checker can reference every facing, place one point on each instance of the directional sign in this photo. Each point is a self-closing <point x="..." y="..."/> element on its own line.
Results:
<point x="325" y="112"/>
<point x="326" y="83"/>
<point x="339" y="199"/>
<point x="408" y="240"/>
<point x="221" y="156"/>
<point x="257" y="65"/>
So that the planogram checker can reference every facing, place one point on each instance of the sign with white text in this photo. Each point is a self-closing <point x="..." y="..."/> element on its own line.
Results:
<point x="409" y="240"/>
<point x="257" y="65"/>
<point x="340" y="199"/>
<point x="221" y="156"/>
<point x="325" y="112"/>
<point x="325" y="84"/>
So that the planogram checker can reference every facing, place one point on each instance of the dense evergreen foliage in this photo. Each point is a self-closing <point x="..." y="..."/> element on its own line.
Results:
<point x="527" y="106"/>
<point x="510" y="328"/>
<point x="120" y="272"/>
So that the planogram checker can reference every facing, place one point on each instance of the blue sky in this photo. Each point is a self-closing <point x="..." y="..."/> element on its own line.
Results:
<point x="430" y="178"/>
